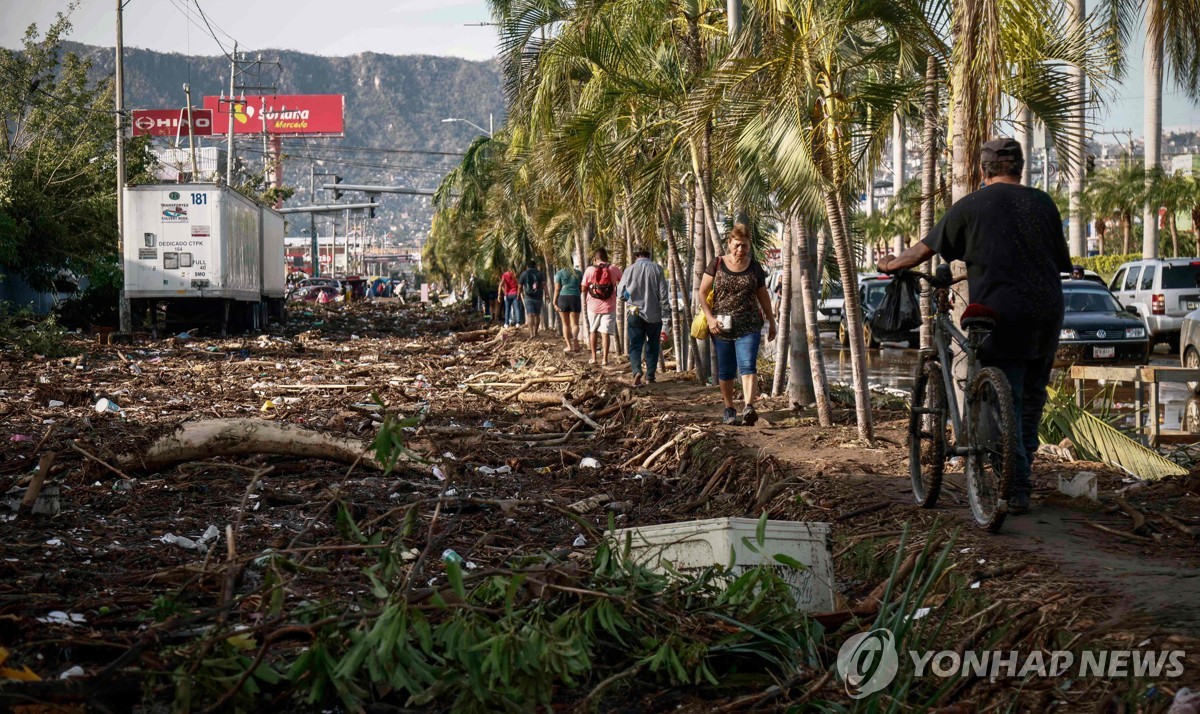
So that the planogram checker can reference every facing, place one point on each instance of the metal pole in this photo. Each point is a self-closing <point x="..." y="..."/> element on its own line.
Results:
<point x="312" y="223"/>
<point x="733" y="8"/>
<point x="229" y="148"/>
<point x="187" y="90"/>
<point x="124" y="317"/>
<point x="491" y="128"/>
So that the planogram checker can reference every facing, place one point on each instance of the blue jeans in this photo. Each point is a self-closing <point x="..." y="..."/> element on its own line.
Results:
<point x="639" y="332"/>
<point x="1028" y="379"/>
<point x="512" y="304"/>
<point x="738" y="356"/>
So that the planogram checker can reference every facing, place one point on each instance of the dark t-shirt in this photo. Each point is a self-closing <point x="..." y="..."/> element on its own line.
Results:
<point x="1011" y="238"/>
<point x="736" y="294"/>
<point x="534" y="283"/>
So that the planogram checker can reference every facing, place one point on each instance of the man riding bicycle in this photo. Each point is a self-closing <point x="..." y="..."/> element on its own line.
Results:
<point x="1011" y="238"/>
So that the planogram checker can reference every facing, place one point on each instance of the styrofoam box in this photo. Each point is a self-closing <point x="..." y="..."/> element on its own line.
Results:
<point x="694" y="545"/>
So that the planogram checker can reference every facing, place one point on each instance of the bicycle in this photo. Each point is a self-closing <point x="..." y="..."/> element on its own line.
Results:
<point x="936" y="425"/>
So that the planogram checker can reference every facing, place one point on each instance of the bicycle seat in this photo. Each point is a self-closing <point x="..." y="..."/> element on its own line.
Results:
<point x="978" y="317"/>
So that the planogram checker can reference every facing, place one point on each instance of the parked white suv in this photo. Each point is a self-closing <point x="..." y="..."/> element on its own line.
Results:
<point x="1162" y="291"/>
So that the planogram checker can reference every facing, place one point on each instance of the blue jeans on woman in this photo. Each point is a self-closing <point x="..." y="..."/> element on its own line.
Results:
<point x="641" y="333"/>
<point x="512" y="305"/>
<point x="737" y="356"/>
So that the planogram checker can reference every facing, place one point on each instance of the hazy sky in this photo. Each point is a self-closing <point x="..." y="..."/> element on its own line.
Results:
<point x="346" y="27"/>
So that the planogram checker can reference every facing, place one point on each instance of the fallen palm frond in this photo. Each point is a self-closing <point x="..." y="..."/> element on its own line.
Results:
<point x="1096" y="440"/>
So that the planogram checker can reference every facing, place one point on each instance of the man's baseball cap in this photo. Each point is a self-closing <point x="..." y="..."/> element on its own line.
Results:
<point x="1002" y="149"/>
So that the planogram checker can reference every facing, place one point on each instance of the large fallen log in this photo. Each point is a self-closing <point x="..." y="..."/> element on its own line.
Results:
<point x="198" y="440"/>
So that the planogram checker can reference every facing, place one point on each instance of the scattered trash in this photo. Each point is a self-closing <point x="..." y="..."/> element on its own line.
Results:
<point x="53" y="403"/>
<point x="75" y="671"/>
<point x="591" y="503"/>
<point x="54" y="542"/>
<point x="589" y="463"/>
<point x="439" y="474"/>
<point x="1079" y="485"/>
<point x="123" y="485"/>
<point x="20" y="437"/>
<point x="1186" y="702"/>
<point x="489" y="471"/>
<point x="920" y="613"/>
<point x="975" y="585"/>
<point x="489" y="424"/>
<point x="104" y="405"/>
<point x="451" y="556"/>
<point x="580" y="541"/>
<point x="58" y="617"/>
<point x="200" y="544"/>
<point x="183" y="336"/>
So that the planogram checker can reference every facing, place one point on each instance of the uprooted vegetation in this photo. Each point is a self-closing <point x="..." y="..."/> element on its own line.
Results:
<point x="461" y="563"/>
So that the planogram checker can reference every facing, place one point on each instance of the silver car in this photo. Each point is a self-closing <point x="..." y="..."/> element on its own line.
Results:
<point x="1162" y="291"/>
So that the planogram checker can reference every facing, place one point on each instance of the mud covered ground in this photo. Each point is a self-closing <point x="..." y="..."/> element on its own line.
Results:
<point x="99" y="587"/>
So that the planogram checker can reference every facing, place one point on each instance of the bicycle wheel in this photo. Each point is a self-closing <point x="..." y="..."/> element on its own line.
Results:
<point x="992" y="456"/>
<point x="927" y="433"/>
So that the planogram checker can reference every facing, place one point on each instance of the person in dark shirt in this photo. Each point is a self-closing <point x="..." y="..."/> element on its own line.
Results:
<point x="1011" y="238"/>
<point x="533" y="287"/>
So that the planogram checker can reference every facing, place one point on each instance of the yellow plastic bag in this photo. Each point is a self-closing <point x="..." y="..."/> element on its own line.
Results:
<point x="700" y="322"/>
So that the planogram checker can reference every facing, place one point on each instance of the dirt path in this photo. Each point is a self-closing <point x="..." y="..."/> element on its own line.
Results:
<point x="1146" y="585"/>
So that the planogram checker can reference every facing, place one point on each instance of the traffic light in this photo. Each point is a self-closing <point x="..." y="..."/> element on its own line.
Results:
<point x="337" y="194"/>
<point x="372" y="198"/>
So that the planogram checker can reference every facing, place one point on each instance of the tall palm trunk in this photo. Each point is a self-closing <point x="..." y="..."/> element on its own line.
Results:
<point x="928" y="183"/>
<point x="1127" y="231"/>
<point x="810" y="283"/>
<point x="1153" y="124"/>
<point x="858" y="357"/>
<point x="699" y="264"/>
<point x="783" y="338"/>
<point x="686" y="342"/>
<point x="897" y="174"/>
<point x="1076" y="167"/>
<point x="1174" y="235"/>
<point x="1025" y="138"/>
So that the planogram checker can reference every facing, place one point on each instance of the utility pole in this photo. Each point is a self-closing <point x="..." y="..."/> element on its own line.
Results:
<point x="733" y="8"/>
<point x="124" y="317"/>
<point x="312" y="221"/>
<point x="232" y="118"/>
<point x="187" y="90"/>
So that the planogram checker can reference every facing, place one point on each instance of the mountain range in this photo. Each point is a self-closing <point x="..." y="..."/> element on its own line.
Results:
<point x="395" y="104"/>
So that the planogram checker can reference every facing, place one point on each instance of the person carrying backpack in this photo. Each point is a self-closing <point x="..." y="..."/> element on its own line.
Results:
<point x="600" y="285"/>
<point x="533" y="290"/>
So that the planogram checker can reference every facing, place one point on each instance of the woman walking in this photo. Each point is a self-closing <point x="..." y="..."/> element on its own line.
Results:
<point x="741" y="303"/>
<point x="568" y="303"/>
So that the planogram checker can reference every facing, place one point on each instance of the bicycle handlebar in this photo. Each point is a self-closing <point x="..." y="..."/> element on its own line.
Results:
<point x="934" y="280"/>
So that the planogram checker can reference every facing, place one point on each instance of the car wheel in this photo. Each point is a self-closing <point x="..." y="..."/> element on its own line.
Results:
<point x="1173" y="343"/>
<point x="1191" y="360"/>
<point x="843" y="334"/>
<point x="869" y="337"/>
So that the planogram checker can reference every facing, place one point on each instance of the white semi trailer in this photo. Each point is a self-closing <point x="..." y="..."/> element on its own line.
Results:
<point x="204" y="254"/>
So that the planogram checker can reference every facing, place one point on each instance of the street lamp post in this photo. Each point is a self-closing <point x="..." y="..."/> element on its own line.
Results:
<point x="488" y="131"/>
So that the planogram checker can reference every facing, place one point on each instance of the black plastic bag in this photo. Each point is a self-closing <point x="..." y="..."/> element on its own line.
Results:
<point x="900" y="310"/>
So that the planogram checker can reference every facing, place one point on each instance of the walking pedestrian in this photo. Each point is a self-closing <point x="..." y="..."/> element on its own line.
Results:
<point x="509" y="292"/>
<point x="568" y="304"/>
<point x="643" y="288"/>
<point x="533" y="290"/>
<point x="1011" y="238"/>
<point x="741" y="304"/>
<point x="600" y="283"/>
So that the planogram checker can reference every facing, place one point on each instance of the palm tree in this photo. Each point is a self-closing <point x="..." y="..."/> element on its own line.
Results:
<point x="1173" y="32"/>
<point x="1117" y="193"/>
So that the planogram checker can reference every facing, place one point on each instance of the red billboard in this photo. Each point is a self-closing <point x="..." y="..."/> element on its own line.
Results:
<point x="170" y="122"/>
<point x="281" y="115"/>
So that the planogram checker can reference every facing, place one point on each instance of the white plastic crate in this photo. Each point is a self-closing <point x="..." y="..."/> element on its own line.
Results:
<point x="694" y="545"/>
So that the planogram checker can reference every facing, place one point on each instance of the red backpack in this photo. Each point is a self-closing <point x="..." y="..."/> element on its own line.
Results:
<point x="601" y="287"/>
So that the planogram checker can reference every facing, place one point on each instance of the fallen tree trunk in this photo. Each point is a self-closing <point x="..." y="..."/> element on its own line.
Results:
<point x="199" y="440"/>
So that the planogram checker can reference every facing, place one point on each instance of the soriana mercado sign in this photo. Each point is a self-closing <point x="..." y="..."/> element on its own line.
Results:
<point x="280" y="115"/>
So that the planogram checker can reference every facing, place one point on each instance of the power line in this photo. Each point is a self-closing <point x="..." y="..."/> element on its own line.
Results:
<point x="338" y="147"/>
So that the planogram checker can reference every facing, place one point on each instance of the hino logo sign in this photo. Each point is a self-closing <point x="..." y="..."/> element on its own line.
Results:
<point x="169" y="122"/>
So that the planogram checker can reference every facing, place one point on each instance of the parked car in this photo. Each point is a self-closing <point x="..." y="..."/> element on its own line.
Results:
<point x="1189" y="344"/>
<point x="1097" y="329"/>
<point x="830" y="306"/>
<point x="871" y="287"/>
<point x="1087" y="275"/>
<point x="1162" y="291"/>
